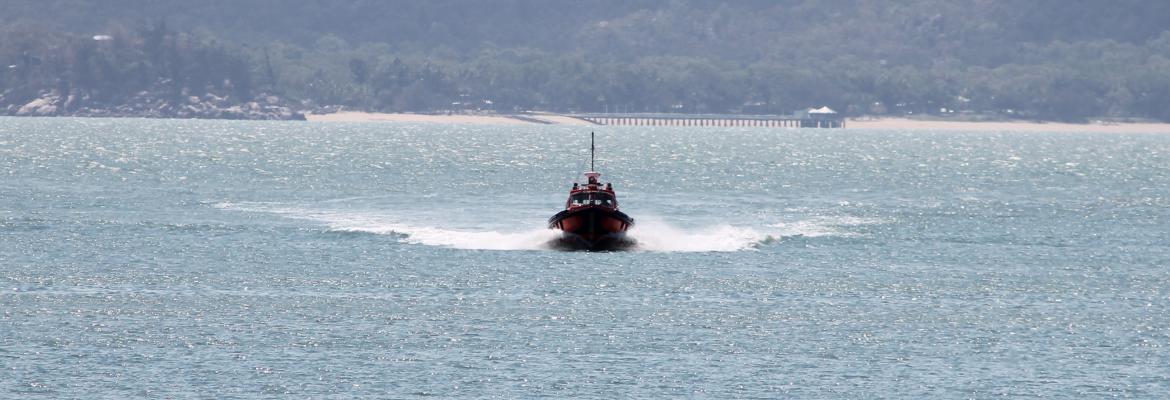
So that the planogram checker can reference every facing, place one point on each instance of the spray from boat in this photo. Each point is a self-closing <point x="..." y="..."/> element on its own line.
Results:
<point x="652" y="234"/>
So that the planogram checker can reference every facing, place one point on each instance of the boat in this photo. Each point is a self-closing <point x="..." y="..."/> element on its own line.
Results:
<point x="591" y="219"/>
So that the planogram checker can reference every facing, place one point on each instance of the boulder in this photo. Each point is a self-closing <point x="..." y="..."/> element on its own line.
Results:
<point x="40" y="107"/>
<point x="233" y="112"/>
<point x="211" y="98"/>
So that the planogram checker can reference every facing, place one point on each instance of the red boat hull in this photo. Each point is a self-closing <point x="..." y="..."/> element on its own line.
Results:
<point x="592" y="228"/>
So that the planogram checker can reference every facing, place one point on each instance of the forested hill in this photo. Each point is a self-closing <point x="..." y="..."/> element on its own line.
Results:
<point x="1040" y="59"/>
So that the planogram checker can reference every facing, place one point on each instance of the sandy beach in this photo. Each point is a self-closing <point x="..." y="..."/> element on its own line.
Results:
<point x="859" y="123"/>
<point x="358" y="116"/>
<point x="483" y="119"/>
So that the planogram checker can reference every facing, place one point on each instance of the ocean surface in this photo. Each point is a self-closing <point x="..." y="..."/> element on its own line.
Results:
<point x="224" y="259"/>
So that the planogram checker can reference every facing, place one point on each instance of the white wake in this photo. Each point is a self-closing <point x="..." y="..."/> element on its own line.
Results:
<point x="651" y="234"/>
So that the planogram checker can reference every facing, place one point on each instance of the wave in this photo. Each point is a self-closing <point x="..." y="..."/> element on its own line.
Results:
<point x="654" y="234"/>
<point x="651" y="233"/>
<point x="538" y="239"/>
<point x="382" y="224"/>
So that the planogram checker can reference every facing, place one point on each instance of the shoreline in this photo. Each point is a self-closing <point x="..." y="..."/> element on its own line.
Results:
<point x="861" y="123"/>
<point x="1005" y="126"/>
<point x="892" y="123"/>
<point x="483" y="119"/>
<point x="360" y="116"/>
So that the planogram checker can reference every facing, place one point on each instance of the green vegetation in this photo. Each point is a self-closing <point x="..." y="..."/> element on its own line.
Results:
<point x="1041" y="59"/>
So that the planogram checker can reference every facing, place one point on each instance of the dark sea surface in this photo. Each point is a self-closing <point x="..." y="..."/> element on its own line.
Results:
<point x="219" y="259"/>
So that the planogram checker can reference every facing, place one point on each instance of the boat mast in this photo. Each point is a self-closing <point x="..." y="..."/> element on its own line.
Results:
<point x="591" y="150"/>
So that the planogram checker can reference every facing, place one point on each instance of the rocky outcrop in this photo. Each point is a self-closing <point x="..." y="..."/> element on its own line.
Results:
<point x="148" y="104"/>
<point x="40" y="107"/>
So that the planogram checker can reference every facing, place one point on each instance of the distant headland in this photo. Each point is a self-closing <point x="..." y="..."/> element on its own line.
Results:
<point x="935" y="60"/>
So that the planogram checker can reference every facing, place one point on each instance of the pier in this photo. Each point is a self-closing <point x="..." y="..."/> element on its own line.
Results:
<point x="717" y="120"/>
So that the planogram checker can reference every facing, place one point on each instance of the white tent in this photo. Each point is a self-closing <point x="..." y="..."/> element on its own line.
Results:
<point x="822" y="110"/>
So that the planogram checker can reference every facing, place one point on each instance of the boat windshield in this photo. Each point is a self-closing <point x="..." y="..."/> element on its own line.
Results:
<point x="594" y="198"/>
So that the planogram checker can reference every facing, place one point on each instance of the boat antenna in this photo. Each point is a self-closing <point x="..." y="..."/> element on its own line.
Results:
<point x="591" y="150"/>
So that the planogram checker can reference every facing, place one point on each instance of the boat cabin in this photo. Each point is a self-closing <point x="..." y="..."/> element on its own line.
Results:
<point x="592" y="194"/>
<point x="592" y="198"/>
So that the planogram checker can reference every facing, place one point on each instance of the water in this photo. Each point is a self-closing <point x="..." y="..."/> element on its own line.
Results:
<point x="176" y="259"/>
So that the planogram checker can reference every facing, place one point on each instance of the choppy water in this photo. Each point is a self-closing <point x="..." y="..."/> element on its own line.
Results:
<point x="175" y="259"/>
